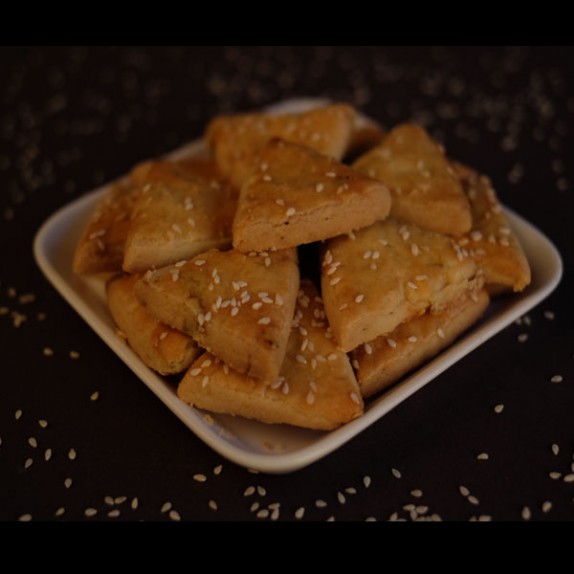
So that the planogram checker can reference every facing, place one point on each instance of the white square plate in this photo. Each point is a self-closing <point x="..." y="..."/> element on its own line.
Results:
<point x="273" y="448"/>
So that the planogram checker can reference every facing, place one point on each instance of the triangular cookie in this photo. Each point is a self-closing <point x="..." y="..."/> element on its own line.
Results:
<point x="236" y="139"/>
<point x="182" y="209"/>
<point x="382" y="362"/>
<point x="424" y="187"/>
<point x="101" y="246"/>
<point x="316" y="387"/>
<point x="299" y="196"/>
<point x="237" y="306"/>
<point x="160" y="347"/>
<point x="491" y="242"/>
<point x="378" y="277"/>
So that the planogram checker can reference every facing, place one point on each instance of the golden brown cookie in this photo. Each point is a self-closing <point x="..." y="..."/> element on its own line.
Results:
<point x="238" y="306"/>
<point x="182" y="209"/>
<point x="491" y="242"/>
<point x="381" y="363"/>
<point x="316" y="387"/>
<point x="160" y="347"/>
<point x="236" y="139"/>
<point x="298" y="196"/>
<point x="423" y="185"/>
<point x="383" y="275"/>
<point x="101" y="247"/>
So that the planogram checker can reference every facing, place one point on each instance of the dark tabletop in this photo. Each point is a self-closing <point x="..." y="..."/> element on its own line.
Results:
<point x="82" y="439"/>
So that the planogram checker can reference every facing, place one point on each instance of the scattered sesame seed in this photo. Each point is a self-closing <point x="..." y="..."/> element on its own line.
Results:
<point x="212" y="504"/>
<point x="263" y="513"/>
<point x="32" y="442"/>
<point x="366" y="481"/>
<point x="264" y="321"/>
<point x="463" y="490"/>
<point x="47" y="454"/>
<point x="89" y="512"/>
<point x="498" y="408"/>
<point x="417" y="492"/>
<point x="526" y="513"/>
<point x="25" y="518"/>
<point x="290" y="212"/>
<point x="74" y="355"/>
<point x="174" y="515"/>
<point x="556" y="379"/>
<point x="554" y="475"/>
<point x="28" y="463"/>
<point x="60" y="511"/>
<point x="473" y="500"/>
<point x="72" y="454"/>
<point x="319" y="503"/>
<point x="555" y="449"/>
<point x="94" y="396"/>
<point x="166" y="507"/>
<point x="250" y="490"/>
<point x="48" y="352"/>
<point x="549" y="315"/>
<point x="199" y="262"/>
<point x="482" y="456"/>
<point x="68" y="482"/>
<point x="522" y="338"/>
<point x="569" y="477"/>
<point x="200" y="477"/>
<point x="114" y="513"/>
<point x="341" y="498"/>
<point x="546" y="506"/>
<point x="134" y="503"/>
<point x="391" y="343"/>
<point x="300" y="512"/>
<point x="217" y="470"/>
<point x="396" y="473"/>
<point x="18" y="414"/>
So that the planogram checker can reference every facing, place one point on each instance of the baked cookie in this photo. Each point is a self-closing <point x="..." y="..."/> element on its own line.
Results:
<point x="492" y="243"/>
<point x="238" y="306"/>
<point x="381" y="276"/>
<point x="380" y="363"/>
<point x="160" y="347"/>
<point x="182" y="209"/>
<point x="316" y="387"/>
<point x="236" y="139"/>
<point x="101" y="247"/>
<point x="298" y="196"/>
<point x="424" y="187"/>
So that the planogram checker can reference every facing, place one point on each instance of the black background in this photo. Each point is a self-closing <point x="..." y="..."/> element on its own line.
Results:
<point x="73" y="118"/>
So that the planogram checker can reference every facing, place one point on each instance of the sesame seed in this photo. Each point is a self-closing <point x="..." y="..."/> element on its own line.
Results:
<point x="319" y="503"/>
<point x="417" y="492"/>
<point x="264" y="321"/>
<point x="72" y="454"/>
<point x="368" y="348"/>
<point x="47" y="454"/>
<point x="391" y="343"/>
<point x="334" y="281"/>
<point x="440" y="333"/>
<point x="204" y="381"/>
<point x="18" y="414"/>
<point x="301" y="359"/>
<point x="463" y="490"/>
<point x="174" y="515"/>
<point x="300" y="512"/>
<point x="319" y="187"/>
<point x="396" y="473"/>
<point x="250" y="490"/>
<point x="28" y="463"/>
<point x="526" y="513"/>
<point x="546" y="506"/>
<point x="415" y="249"/>
<point x="569" y="478"/>
<point x="555" y="449"/>
<point x="412" y="285"/>
<point x="366" y="481"/>
<point x="341" y="498"/>
<point x="74" y="355"/>
<point x="310" y="399"/>
<point x="25" y="518"/>
<point x="412" y="339"/>
<point x="199" y="262"/>
<point x="217" y="470"/>
<point x="498" y="408"/>
<point x="94" y="396"/>
<point x="68" y="482"/>
<point x="32" y="442"/>
<point x="89" y="512"/>
<point x="473" y="500"/>
<point x="290" y="212"/>
<point x="482" y="456"/>
<point x="48" y="352"/>
<point x="359" y="298"/>
<point x="60" y="511"/>
<point x="114" y="513"/>
<point x="166" y="507"/>
<point x="549" y="315"/>
<point x="200" y="477"/>
<point x="522" y="338"/>
<point x="556" y="379"/>
<point x="263" y="513"/>
<point x="554" y="475"/>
